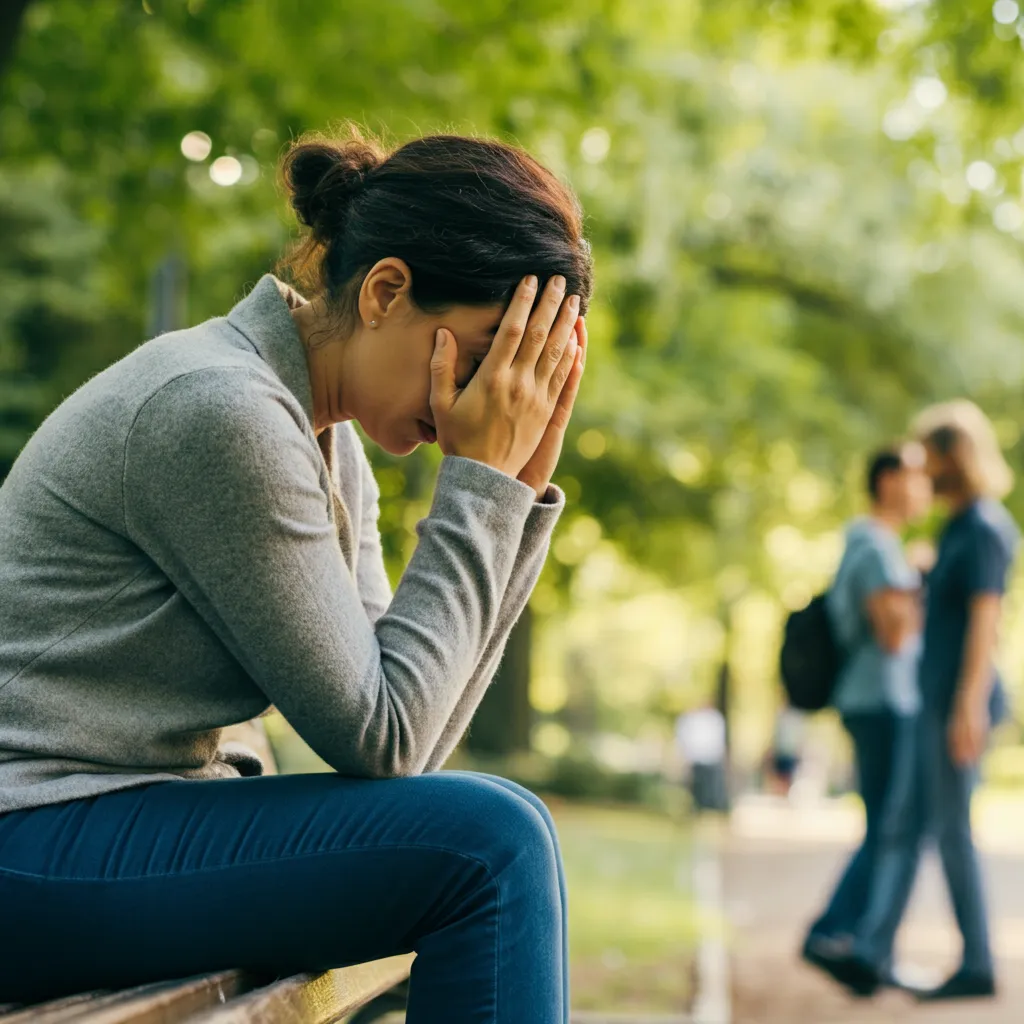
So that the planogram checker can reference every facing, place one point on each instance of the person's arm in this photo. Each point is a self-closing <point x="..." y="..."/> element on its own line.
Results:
<point x="987" y="569"/>
<point x="970" y="724"/>
<point x="529" y="561"/>
<point x="224" y="490"/>
<point x="883" y="580"/>
<point x="375" y="592"/>
<point x="895" y="617"/>
<point x="533" y="550"/>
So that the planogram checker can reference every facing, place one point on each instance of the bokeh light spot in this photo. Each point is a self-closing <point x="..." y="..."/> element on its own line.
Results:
<point x="1006" y="12"/>
<point x="595" y="145"/>
<point x="196" y="146"/>
<point x="981" y="175"/>
<point x="226" y="170"/>
<point x="930" y="92"/>
<point x="717" y="206"/>
<point x="592" y="444"/>
<point x="1008" y="217"/>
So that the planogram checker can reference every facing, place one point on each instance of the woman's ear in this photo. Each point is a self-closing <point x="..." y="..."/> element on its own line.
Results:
<point x="389" y="280"/>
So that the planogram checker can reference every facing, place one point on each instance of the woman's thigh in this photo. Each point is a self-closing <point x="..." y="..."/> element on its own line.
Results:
<point x="275" y="874"/>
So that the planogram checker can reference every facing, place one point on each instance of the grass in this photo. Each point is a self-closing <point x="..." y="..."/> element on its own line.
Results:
<point x="632" y="926"/>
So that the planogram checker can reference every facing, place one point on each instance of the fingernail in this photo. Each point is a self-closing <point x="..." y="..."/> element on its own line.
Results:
<point x="574" y="302"/>
<point x="531" y="281"/>
<point x="559" y="282"/>
<point x="439" y="337"/>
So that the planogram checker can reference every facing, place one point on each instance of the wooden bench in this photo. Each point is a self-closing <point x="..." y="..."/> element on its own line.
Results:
<point x="369" y="991"/>
<point x="360" y="994"/>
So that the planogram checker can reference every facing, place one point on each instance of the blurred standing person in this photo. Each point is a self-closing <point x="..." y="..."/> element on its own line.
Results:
<point x="874" y="606"/>
<point x="787" y="745"/>
<point x="702" y="747"/>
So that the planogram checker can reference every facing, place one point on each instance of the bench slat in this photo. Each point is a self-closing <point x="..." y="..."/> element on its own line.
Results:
<point x="160" y="1003"/>
<point x="312" y="999"/>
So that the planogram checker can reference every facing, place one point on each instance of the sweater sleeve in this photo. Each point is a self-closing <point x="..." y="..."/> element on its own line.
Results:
<point x="533" y="550"/>
<point x="225" y="490"/>
<point x="529" y="560"/>
<point x="371" y="576"/>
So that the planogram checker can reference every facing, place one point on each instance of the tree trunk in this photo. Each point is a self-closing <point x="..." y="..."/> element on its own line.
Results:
<point x="504" y="718"/>
<point x="12" y="12"/>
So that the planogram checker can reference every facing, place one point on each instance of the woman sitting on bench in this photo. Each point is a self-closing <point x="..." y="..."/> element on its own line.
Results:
<point x="191" y="538"/>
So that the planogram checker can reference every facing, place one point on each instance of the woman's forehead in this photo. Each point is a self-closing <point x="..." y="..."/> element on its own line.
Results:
<point x="475" y="323"/>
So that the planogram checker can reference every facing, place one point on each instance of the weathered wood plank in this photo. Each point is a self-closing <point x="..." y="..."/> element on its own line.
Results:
<point x="162" y="1003"/>
<point x="312" y="999"/>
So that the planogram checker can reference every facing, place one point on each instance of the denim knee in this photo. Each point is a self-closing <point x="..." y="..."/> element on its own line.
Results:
<point x="520" y="791"/>
<point x="511" y="834"/>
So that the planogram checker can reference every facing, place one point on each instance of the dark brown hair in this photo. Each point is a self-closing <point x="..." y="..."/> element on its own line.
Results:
<point x="471" y="218"/>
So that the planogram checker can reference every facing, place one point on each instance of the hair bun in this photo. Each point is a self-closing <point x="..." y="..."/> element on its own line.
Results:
<point x="323" y="177"/>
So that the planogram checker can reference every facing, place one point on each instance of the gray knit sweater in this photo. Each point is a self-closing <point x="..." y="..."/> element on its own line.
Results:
<point x="178" y="553"/>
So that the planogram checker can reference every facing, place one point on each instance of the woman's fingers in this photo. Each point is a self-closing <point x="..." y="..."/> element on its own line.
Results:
<point x="443" y="389"/>
<point x="539" y="328"/>
<point x="560" y="338"/>
<point x="560" y="376"/>
<point x="513" y="325"/>
<point x="570" y="389"/>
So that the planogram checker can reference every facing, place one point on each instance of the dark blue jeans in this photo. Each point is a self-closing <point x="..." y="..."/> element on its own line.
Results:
<point x="293" y="873"/>
<point x="883" y="745"/>
<point x="941" y="810"/>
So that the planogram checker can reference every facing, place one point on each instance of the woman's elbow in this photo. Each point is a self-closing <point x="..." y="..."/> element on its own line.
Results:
<point x="388" y="760"/>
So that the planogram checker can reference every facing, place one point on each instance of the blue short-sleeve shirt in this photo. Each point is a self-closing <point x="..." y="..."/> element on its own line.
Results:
<point x="976" y="553"/>
<point x="872" y="679"/>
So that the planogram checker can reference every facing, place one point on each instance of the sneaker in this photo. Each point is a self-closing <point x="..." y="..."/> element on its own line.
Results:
<point x="962" y="985"/>
<point x="834" y="958"/>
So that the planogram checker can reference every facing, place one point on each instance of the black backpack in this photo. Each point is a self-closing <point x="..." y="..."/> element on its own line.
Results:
<point x="811" y="657"/>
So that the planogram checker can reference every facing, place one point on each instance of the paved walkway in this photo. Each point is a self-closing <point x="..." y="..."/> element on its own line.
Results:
<point x="778" y="865"/>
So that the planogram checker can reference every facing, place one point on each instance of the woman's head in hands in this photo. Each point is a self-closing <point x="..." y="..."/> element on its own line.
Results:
<point x="437" y="233"/>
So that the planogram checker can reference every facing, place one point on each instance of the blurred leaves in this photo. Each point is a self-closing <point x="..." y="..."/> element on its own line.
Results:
<point x="789" y="255"/>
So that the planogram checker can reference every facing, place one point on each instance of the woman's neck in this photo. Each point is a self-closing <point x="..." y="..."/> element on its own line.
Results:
<point x="957" y="503"/>
<point x="325" y="357"/>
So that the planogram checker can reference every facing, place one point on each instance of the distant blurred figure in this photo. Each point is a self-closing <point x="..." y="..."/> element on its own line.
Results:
<point x="702" y="748"/>
<point x="961" y="695"/>
<point x="874" y="607"/>
<point x="784" y="756"/>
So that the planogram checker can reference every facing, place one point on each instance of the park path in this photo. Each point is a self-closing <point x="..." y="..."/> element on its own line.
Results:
<point x="778" y="864"/>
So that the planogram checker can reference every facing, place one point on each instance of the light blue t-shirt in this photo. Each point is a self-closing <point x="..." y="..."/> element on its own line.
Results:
<point x="872" y="679"/>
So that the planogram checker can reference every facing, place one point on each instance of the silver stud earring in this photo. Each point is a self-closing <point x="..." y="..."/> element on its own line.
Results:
<point x="373" y="323"/>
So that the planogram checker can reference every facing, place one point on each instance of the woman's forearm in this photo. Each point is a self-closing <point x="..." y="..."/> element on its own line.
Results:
<point x="528" y="565"/>
<point x="976" y="669"/>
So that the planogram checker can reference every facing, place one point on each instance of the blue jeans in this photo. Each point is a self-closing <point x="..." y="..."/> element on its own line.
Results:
<point x="941" y="810"/>
<point x="884" y="750"/>
<point x="293" y="873"/>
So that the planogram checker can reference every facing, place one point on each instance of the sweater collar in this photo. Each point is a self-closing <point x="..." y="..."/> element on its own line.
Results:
<point x="264" y="317"/>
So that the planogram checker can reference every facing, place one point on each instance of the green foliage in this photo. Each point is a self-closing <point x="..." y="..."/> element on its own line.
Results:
<point x="792" y="253"/>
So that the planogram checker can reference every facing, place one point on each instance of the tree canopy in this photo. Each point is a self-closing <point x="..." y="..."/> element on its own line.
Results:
<point x="806" y="218"/>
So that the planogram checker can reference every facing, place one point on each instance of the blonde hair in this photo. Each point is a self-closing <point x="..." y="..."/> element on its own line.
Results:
<point x="962" y="431"/>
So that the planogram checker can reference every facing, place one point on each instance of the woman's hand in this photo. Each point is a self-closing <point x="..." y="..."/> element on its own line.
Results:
<point x="968" y="729"/>
<point x="539" y="470"/>
<point x="502" y="415"/>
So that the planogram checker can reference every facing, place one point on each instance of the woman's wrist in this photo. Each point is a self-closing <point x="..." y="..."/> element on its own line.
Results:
<point x="540" y="488"/>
